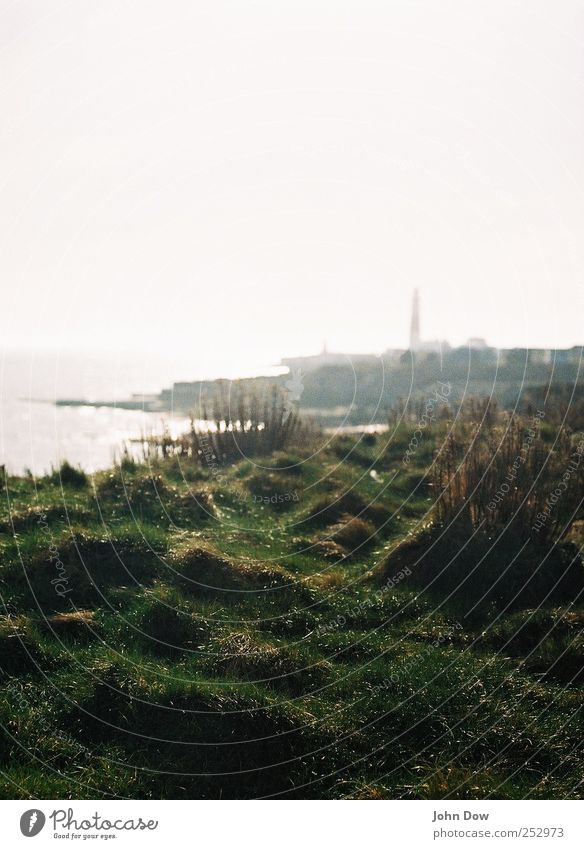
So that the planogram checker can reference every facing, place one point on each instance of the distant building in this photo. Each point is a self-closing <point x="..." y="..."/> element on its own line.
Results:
<point x="570" y="356"/>
<point x="415" y="338"/>
<point x="417" y="344"/>
<point x="393" y="355"/>
<point x="477" y="343"/>
<point x="540" y="356"/>
<point x="326" y="358"/>
<point x="482" y="351"/>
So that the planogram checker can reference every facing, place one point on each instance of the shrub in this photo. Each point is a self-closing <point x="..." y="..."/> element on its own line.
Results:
<point x="68" y="475"/>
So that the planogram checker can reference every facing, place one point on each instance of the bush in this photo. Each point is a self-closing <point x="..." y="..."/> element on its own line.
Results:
<point x="68" y="475"/>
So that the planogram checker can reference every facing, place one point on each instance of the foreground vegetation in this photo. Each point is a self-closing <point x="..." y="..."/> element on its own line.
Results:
<point x="331" y="620"/>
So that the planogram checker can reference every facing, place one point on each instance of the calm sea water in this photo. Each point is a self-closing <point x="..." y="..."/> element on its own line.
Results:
<point x="37" y="435"/>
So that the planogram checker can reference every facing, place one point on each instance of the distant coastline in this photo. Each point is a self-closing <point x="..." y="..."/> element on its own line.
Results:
<point x="338" y="389"/>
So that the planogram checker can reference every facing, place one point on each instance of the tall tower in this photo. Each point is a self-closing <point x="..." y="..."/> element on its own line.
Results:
<point x="415" y="325"/>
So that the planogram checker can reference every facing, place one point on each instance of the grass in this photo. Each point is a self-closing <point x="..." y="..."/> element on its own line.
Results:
<point x="352" y="642"/>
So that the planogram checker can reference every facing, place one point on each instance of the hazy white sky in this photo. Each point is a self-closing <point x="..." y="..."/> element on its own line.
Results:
<point x="234" y="181"/>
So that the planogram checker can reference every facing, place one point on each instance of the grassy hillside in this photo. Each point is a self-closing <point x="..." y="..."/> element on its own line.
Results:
<point x="175" y="630"/>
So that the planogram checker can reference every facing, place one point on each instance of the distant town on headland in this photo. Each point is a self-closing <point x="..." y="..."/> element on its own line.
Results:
<point x="341" y="388"/>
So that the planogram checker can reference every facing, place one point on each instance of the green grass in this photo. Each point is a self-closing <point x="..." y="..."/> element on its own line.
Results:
<point x="211" y="642"/>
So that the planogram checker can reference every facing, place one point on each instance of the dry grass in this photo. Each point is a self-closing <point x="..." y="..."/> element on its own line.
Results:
<point x="504" y="477"/>
<point x="235" y="426"/>
<point x="77" y="624"/>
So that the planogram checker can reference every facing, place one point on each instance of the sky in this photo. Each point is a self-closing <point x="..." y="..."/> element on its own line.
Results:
<point x="226" y="183"/>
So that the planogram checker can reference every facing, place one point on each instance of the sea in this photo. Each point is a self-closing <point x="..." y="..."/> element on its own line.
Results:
<point x="36" y="435"/>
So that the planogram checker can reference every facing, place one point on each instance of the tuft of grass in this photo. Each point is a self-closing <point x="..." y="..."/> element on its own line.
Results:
<point x="353" y="533"/>
<point x="78" y="569"/>
<point x="241" y="654"/>
<point x="334" y="507"/>
<point x="202" y="570"/>
<point x="76" y="625"/>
